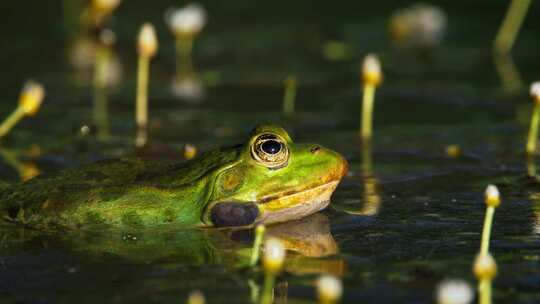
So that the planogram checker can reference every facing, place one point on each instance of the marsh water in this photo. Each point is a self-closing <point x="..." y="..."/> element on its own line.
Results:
<point x="406" y="216"/>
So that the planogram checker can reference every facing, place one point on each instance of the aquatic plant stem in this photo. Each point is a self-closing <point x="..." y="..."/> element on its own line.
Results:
<point x="141" y="115"/>
<point x="25" y="170"/>
<point x="147" y="47"/>
<point x="268" y="290"/>
<point x="254" y="291"/>
<point x="255" y="252"/>
<point x="511" y="25"/>
<point x="327" y="302"/>
<point x="101" y="71"/>
<point x="531" y="166"/>
<point x="485" y="267"/>
<point x="508" y="72"/>
<point x="142" y="92"/>
<point x="371" y="199"/>
<point x="184" y="49"/>
<point x="11" y="121"/>
<point x="533" y="130"/>
<point x="367" y="158"/>
<point x="289" y="97"/>
<point x="367" y="111"/>
<point x="484" y="292"/>
<point x="486" y="232"/>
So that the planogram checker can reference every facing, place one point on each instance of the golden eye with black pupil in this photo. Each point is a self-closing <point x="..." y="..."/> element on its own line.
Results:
<point x="271" y="151"/>
<point x="271" y="146"/>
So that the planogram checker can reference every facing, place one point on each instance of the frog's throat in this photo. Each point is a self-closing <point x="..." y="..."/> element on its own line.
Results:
<point x="296" y="205"/>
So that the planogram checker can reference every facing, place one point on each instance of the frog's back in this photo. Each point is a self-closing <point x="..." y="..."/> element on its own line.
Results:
<point x="120" y="192"/>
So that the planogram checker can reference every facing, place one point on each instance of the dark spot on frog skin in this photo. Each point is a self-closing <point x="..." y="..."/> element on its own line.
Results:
<point x="230" y="214"/>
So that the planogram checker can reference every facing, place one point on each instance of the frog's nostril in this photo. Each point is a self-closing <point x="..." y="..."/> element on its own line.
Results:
<point x="315" y="149"/>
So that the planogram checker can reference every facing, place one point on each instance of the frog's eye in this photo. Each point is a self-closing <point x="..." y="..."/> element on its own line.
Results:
<point x="271" y="151"/>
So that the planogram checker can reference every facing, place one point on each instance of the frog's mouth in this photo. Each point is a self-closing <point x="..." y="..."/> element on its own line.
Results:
<point x="291" y="206"/>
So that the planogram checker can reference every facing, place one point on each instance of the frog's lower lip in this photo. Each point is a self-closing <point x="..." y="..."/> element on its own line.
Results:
<point x="291" y="206"/>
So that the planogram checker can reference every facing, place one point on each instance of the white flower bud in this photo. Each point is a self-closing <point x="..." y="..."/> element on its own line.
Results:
<point x="147" y="43"/>
<point x="329" y="289"/>
<point x="188" y="20"/>
<point x="454" y="292"/>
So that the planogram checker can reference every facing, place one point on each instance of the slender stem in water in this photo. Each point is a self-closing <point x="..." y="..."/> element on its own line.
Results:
<point x="488" y="292"/>
<point x="531" y="166"/>
<point x="533" y="130"/>
<point x="11" y="121"/>
<point x="141" y="138"/>
<point x="259" y="235"/>
<point x="141" y="116"/>
<point x="184" y="49"/>
<point x="508" y="72"/>
<point x="367" y="111"/>
<point x="10" y="158"/>
<point x="486" y="232"/>
<point x="268" y="290"/>
<point x="367" y="158"/>
<point x="101" y="72"/>
<point x="510" y="27"/>
<point x="254" y="288"/>
<point x="147" y="47"/>
<point x="484" y="292"/>
<point x="141" y="112"/>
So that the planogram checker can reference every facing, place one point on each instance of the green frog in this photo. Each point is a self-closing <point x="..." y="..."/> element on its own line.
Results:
<point x="267" y="179"/>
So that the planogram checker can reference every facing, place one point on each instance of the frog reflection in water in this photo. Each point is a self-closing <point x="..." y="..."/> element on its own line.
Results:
<point x="266" y="180"/>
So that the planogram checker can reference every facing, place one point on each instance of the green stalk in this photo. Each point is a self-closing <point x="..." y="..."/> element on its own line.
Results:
<point x="141" y="138"/>
<point x="268" y="290"/>
<point x="11" y="121"/>
<point x="508" y="72"/>
<point x="484" y="292"/>
<point x="367" y="111"/>
<point x="141" y="115"/>
<point x="141" y="106"/>
<point x="12" y="160"/>
<point x="486" y="232"/>
<point x="533" y="130"/>
<point x="184" y="50"/>
<point x="367" y="159"/>
<point x="101" y="72"/>
<point x="510" y="27"/>
<point x="531" y="166"/>
<point x="255" y="252"/>
<point x="254" y="294"/>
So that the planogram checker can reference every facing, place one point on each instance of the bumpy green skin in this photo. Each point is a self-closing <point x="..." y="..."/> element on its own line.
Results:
<point x="132" y="193"/>
<point x="123" y="192"/>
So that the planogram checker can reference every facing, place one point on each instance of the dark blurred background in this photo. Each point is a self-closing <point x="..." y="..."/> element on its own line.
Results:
<point x="279" y="36"/>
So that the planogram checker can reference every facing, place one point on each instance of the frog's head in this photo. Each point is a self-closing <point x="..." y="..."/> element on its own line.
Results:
<point x="273" y="180"/>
